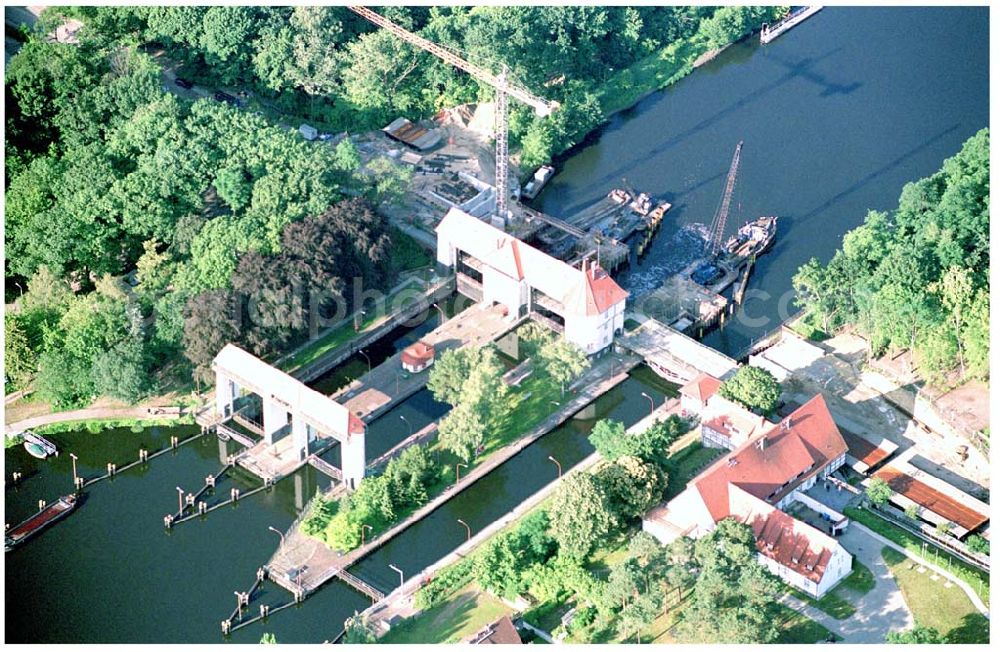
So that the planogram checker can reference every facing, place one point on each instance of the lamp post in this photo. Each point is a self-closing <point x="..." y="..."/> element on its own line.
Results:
<point x="440" y="311"/>
<point x="72" y="455"/>
<point x="400" y="574"/>
<point x="357" y="320"/>
<point x="652" y="405"/>
<point x="558" y="465"/>
<point x="457" y="467"/>
<point x="468" y="530"/>
<point x="404" y="420"/>
<point x="363" y="526"/>
<point x="20" y="289"/>
<point x="369" y="360"/>
<point x="279" y="533"/>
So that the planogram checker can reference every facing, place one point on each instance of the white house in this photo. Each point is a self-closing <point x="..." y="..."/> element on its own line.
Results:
<point x="753" y="484"/>
<point x="584" y="303"/>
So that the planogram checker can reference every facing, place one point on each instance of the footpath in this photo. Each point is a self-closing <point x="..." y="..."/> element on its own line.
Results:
<point x="400" y="604"/>
<point x="324" y="564"/>
<point x="144" y="412"/>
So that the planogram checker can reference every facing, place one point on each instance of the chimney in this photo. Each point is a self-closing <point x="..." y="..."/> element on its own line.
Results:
<point x="762" y="442"/>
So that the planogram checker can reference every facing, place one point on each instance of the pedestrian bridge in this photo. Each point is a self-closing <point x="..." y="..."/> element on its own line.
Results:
<point x="673" y="355"/>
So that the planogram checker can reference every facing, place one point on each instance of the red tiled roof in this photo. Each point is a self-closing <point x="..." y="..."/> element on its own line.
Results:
<point x="417" y="353"/>
<point x="776" y="462"/>
<point x="932" y="499"/>
<point x="702" y="387"/>
<point x="355" y="426"/>
<point x="602" y="291"/>
<point x="788" y="541"/>
<point x="502" y="632"/>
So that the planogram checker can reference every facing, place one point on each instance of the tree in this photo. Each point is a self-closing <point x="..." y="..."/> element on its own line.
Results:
<point x="917" y="635"/>
<point x="450" y="372"/>
<point x="553" y="355"/>
<point x="754" y="388"/>
<point x="943" y="528"/>
<point x="638" y="615"/>
<point x="632" y="486"/>
<point x="212" y="320"/>
<point x="581" y="515"/>
<point x="610" y="439"/>
<point x="732" y="594"/>
<point x="497" y="566"/>
<point x="978" y="544"/>
<point x="878" y="492"/>
<point x="356" y="631"/>
<point x="912" y="512"/>
<point x="267" y="638"/>
<point x="19" y="358"/>
<point x="226" y="38"/>
<point x="120" y="372"/>
<point x="462" y="431"/>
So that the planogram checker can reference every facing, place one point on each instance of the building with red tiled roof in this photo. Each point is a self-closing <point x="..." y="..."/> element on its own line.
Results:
<point x="495" y="267"/>
<point x="695" y="395"/>
<point x="754" y="483"/>
<point x="417" y="357"/>
<point x="936" y="500"/>
<point x="502" y="632"/>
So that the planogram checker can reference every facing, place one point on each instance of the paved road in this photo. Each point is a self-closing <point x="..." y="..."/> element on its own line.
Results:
<point x="165" y="412"/>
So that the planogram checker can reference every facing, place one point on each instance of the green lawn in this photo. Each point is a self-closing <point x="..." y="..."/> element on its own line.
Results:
<point x="796" y="628"/>
<point x="468" y="611"/>
<point x="831" y="604"/>
<point x="860" y="581"/>
<point x="340" y="336"/>
<point x="946" y="609"/>
<point x="686" y="463"/>
<point x="407" y="254"/>
<point x="977" y="579"/>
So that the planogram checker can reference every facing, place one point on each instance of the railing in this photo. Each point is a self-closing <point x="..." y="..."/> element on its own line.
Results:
<point x="239" y="437"/>
<point x="360" y="584"/>
<point x="959" y="551"/>
<point x="325" y="467"/>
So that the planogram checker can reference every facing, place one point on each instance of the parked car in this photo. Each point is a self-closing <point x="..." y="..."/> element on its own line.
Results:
<point x="183" y="83"/>
<point x="225" y="97"/>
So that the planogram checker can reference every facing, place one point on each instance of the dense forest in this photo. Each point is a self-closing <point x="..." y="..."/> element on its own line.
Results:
<point x="142" y="227"/>
<point x="917" y="278"/>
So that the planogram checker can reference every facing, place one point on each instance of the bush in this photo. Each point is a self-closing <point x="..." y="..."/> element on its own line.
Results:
<point x="754" y="388"/>
<point x="446" y="582"/>
<point x="978" y="544"/>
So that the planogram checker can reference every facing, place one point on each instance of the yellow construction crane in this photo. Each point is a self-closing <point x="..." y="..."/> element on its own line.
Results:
<point x="499" y="82"/>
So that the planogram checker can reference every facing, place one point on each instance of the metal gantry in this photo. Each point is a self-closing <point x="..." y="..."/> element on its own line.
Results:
<point x="718" y="226"/>
<point x="499" y="82"/>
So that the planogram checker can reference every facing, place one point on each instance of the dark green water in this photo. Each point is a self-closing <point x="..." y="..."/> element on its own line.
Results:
<point x="836" y="116"/>
<point x="115" y="575"/>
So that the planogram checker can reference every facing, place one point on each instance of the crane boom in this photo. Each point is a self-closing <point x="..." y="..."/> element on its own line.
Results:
<point x="541" y="107"/>
<point x="719" y="221"/>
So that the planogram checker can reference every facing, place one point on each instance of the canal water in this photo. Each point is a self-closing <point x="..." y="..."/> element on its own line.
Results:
<point x="111" y="573"/>
<point x="836" y="116"/>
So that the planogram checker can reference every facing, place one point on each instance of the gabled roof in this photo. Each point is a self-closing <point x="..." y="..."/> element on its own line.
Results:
<point x="501" y="632"/>
<point x="787" y="540"/>
<point x="965" y="516"/>
<point x="581" y="292"/>
<point x="702" y="387"/>
<point x="774" y="463"/>
<point x="417" y="353"/>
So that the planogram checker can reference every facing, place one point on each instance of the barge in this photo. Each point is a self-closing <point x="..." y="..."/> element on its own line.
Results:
<point x="39" y="521"/>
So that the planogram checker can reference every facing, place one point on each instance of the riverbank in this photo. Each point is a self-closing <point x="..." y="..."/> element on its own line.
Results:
<point x="100" y="418"/>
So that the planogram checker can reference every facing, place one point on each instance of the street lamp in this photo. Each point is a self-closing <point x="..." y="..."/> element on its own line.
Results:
<point x="357" y="320"/>
<point x="362" y="352"/>
<point x="279" y="533"/>
<point x="400" y="574"/>
<point x="558" y="465"/>
<point x="363" y="533"/>
<point x="74" y="468"/>
<point x="457" y="472"/>
<point x="468" y="530"/>
<point x="21" y="289"/>
<point x="404" y="420"/>
<point x="440" y="311"/>
<point x="652" y="405"/>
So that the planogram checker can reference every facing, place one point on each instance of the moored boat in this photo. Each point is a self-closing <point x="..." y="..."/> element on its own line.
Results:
<point x="42" y="519"/>
<point x="38" y="446"/>
<point x="752" y="239"/>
